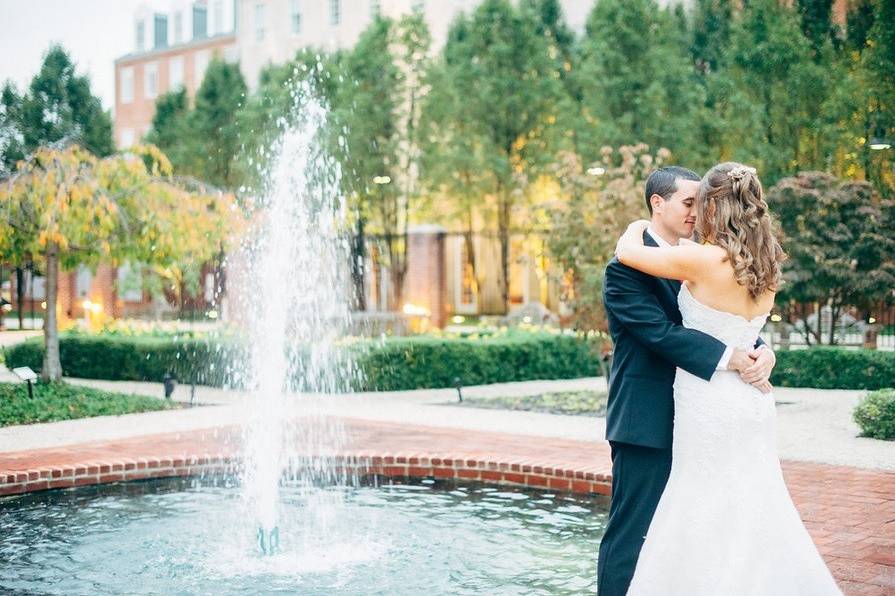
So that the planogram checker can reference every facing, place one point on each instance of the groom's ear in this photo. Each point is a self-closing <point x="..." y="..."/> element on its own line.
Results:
<point x="657" y="203"/>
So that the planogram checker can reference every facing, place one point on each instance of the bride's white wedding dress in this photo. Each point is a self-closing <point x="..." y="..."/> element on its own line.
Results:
<point x="726" y="523"/>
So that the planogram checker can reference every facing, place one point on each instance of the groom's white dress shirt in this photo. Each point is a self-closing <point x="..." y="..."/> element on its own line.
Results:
<point x="728" y="351"/>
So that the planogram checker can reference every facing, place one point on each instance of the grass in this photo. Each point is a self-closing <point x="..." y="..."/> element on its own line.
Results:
<point x="61" y="401"/>
<point x="574" y="403"/>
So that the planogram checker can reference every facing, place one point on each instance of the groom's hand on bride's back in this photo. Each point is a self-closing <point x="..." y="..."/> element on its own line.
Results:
<point x="754" y="366"/>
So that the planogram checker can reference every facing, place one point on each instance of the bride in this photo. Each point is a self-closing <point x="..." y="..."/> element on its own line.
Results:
<point x="725" y="523"/>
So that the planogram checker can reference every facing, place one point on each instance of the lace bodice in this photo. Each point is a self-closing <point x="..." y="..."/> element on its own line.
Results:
<point x="728" y="328"/>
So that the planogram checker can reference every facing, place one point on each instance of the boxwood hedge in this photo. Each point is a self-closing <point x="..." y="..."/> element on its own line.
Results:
<point x="834" y="368"/>
<point x="391" y="365"/>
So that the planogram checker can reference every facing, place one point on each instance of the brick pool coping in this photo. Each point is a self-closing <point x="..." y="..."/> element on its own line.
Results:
<point x="849" y="512"/>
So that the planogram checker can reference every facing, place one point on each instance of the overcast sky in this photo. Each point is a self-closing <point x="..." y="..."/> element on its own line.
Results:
<point x="94" y="32"/>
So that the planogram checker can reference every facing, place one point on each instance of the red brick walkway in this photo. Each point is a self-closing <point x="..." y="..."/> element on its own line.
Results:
<point x="850" y="512"/>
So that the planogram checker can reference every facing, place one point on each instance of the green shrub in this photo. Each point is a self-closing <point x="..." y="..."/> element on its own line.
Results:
<point x="875" y="414"/>
<point x="834" y="368"/>
<point x="392" y="365"/>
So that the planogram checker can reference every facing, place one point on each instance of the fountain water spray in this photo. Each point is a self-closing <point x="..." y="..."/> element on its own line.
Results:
<point x="295" y="260"/>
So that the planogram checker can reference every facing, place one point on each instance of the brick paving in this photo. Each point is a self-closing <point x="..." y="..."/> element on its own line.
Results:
<point x="849" y="512"/>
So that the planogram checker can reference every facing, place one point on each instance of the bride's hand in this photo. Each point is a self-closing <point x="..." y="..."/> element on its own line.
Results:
<point x="633" y="235"/>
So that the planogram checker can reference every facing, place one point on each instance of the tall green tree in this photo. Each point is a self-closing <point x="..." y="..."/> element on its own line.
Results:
<point x="170" y="130"/>
<point x="711" y="24"/>
<point x="214" y="124"/>
<point x="510" y="89"/>
<point x="772" y="99"/>
<point x="640" y="84"/>
<point x="57" y="105"/>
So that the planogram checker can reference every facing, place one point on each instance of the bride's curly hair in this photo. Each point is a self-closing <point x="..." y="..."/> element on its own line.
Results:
<point x="732" y="213"/>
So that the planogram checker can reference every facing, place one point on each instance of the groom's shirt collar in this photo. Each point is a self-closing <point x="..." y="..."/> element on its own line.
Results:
<point x="659" y="240"/>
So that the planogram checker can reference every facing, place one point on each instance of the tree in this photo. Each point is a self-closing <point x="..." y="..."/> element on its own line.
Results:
<point x="711" y="33"/>
<point x="171" y="132"/>
<point x="65" y="206"/>
<point x="816" y="23"/>
<point x="509" y="88"/>
<point x="214" y="124"/>
<point x="57" y="106"/>
<point x="365" y="108"/>
<point x="772" y="99"/>
<point x="588" y="218"/>
<point x="837" y="236"/>
<point x="639" y="86"/>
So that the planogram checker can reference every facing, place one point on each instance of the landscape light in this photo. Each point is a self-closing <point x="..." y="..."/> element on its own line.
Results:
<point x="596" y="171"/>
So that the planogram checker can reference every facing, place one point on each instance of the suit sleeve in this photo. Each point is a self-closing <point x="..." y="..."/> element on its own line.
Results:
<point x="628" y="296"/>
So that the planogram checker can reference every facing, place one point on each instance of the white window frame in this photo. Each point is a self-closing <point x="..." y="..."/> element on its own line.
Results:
<point x="150" y="80"/>
<point x="175" y="73"/>
<point x="200" y="65"/>
<point x="126" y="138"/>
<point x="295" y="16"/>
<point x="177" y="27"/>
<point x="218" y="14"/>
<point x="126" y="84"/>
<point x="335" y="12"/>
<point x="259" y="22"/>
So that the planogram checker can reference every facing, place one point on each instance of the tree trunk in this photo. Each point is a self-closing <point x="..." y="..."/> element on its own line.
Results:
<point x="20" y="296"/>
<point x="358" y="263"/>
<point x="503" y="226"/>
<point x="52" y="366"/>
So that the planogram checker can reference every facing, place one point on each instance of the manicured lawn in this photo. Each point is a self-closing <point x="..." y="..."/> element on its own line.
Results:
<point x="61" y="401"/>
<point x="575" y="403"/>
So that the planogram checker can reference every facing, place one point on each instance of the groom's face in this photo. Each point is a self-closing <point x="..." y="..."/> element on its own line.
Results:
<point x="677" y="213"/>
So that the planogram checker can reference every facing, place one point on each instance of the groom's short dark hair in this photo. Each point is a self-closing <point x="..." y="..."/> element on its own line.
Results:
<point x="663" y="182"/>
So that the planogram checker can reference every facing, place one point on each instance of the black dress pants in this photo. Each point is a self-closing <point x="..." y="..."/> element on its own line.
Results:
<point x="639" y="475"/>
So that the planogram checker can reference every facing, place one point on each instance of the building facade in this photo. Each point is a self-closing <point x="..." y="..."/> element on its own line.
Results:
<point x="171" y="50"/>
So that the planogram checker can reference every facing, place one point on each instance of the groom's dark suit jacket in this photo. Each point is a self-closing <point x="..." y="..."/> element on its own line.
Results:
<point x="649" y="343"/>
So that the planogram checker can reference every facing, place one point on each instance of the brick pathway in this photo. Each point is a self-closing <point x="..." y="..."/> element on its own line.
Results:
<point x="849" y="512"/>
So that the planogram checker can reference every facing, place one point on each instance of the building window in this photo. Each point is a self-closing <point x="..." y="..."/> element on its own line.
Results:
<point x="150" y="80"/>
<point x="295" y="15"/>
<point x="200" y="21"/>
<point x="126" y="82"/>
<point x="130" y="282"/>
<point x="201" y="63"/>
<point x="160" y="36"/>
<point x="178" y="27"/>
<point x="218" y="16"/>
<point x="175" y="73"/>
<point x="141" y="36"/>
<point x="335" y="12"/>
<point x="125" y="138"/>
<point x="259" y="22"/>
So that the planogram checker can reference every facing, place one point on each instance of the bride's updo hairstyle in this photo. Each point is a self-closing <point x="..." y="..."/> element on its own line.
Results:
<point x="732" y="213"/>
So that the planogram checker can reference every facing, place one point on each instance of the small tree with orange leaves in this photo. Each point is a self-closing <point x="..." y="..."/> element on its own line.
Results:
<point x="64" y="206"/>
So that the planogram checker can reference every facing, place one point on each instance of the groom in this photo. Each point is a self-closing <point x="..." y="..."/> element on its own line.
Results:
<point x="649" y="343"/>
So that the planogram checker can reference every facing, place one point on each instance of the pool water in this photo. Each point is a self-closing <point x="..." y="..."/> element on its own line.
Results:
<point x="183" y="536"/>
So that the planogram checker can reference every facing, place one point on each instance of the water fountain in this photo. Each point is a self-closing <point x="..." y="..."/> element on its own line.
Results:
<point x="295" y="255"/>
<point x="292" y="520"/>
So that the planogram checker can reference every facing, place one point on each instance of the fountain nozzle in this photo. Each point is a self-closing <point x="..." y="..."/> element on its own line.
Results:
<point x="269" y="541"/>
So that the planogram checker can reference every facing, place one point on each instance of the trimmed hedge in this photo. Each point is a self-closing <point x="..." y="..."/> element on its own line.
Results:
<point x="875" y="414"/>
<point x="396" y="364"/>
<point x="834" y="368"/>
